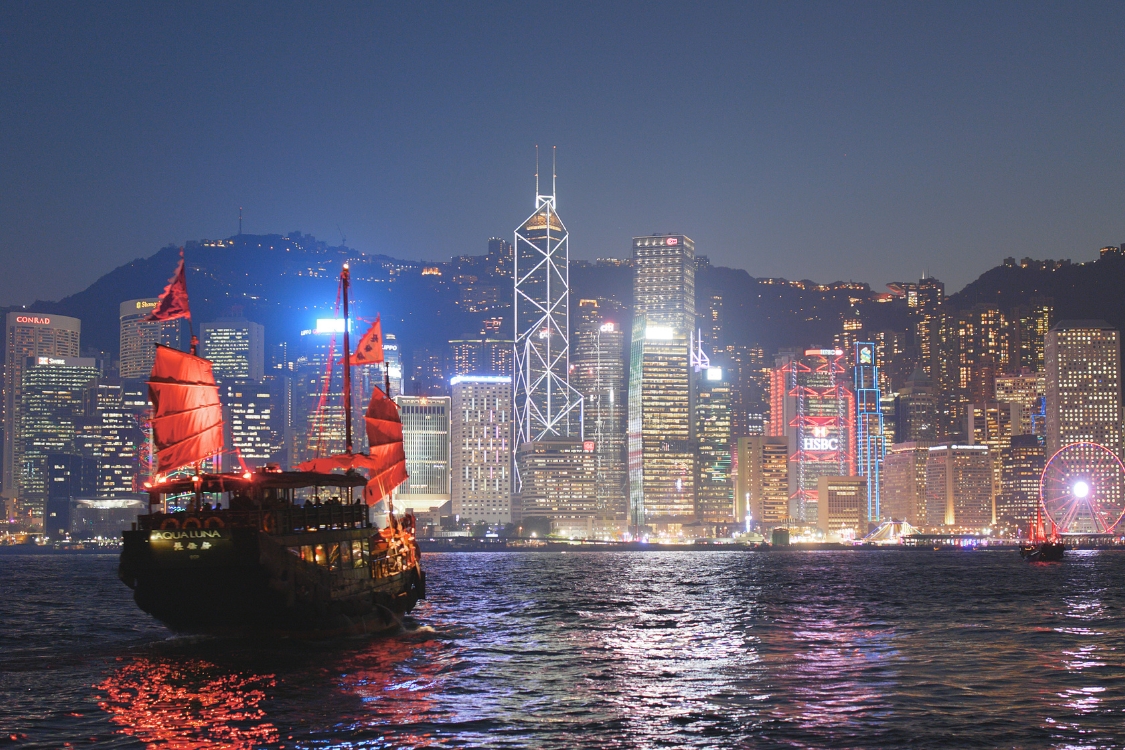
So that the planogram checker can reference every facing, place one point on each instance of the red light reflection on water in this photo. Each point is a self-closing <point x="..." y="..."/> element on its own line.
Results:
<point x="187" y="706"/>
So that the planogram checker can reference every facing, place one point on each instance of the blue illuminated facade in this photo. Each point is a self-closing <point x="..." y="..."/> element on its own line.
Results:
<point x="870" y="446"/>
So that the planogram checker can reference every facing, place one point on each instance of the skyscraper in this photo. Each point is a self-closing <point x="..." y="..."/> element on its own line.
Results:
<point x="714" y="488"/>
<point x="598" y="373"/>
<point x="52" y="404"/>
<point x="29" y="336"/>
<point x="253" y="419"/>
<point x="109" y="434"/>
<point x="1030" y="326"/>
<point x="1024" y="394"/>
<point x="545" y="405"/>
<point x="981" y="352"/>
<point x="815" y="408"/>
<point x="870" y="440"/>
<point x="481" y="356"/>
<point x="904" y="482"/>
<point x="481" y="447"/>
<point x="425" y="437"/>
<point x="763" y="480"/>
<point x="916" y="410"/>
<point x="235" y="347"/>
<point x="1083" y="362"/>
<point x="139" y="337"/>
<point x="660" y="448"/>
<point x="1022" y="466"/>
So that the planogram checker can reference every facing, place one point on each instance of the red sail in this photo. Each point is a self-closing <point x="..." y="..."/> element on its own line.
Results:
<point x="187" y="423"/>
<point x="382" y="484"/>
<point x="383" y="422"/>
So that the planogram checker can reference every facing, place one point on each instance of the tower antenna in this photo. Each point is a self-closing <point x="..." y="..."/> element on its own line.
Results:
<point x="554" y="170"/>
<point x="240" y="219"/>
<point x="537" y="171"/>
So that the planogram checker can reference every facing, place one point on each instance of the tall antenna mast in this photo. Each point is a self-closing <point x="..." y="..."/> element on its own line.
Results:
<point x="554" y="171"/>
<point x="537" y="171"/>
<point x="240" y="219"/>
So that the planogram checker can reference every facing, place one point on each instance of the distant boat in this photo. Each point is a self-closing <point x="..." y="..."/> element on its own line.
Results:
<point x="1040" y="547"/>
<point x="262" y="562"/>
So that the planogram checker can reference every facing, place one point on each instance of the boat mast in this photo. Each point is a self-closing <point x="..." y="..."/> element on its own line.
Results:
<point x="345" y="277"/>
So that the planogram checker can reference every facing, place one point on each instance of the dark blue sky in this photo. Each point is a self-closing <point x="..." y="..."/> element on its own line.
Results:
<point x="826" y="141"/>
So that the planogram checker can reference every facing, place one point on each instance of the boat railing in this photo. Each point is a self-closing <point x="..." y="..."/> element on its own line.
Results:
<point x="283" y="520"/>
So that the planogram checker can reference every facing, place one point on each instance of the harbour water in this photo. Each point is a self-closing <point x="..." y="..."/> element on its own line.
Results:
<point x="599" y="649"/>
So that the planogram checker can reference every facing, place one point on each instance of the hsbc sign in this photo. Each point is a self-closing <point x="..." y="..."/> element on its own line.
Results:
<point x="820" y="444"/>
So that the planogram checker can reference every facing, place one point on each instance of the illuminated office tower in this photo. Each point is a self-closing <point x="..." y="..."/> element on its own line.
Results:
<point x="661" y="452"/>
<point x="598" y="373"/>
<point x="714" y="488"/>
<point x="235" y="347"/>
<point x="558" y="484"/>
<point x="29" y="336"/>
<point x="425" y="437"/>
<point x="870" y="445"/>
<point x="816" y="409"/>
<point x="1022" y="466"/>
<point x="139" y="337"/>
<point x="393" y="362"/>
<point x="904" y="482"/>
<point x="109" y="434"/>
<point x="545" y="405"/>
<point x="481" y="356"/>
<point x="762" y="492"/>
<point x="916" y="410"/>
<point x="253" y="418"/>
<point x="981" y="352"/>
<point x="481" y="447"/>
<point x="316" y="409"/>
<point x="1025" y="395"/>
<point x="990" y="424"/>
<point x="1030" y="324"/>
<point x="842" y="512"/>
<point x="52" y="403"/>
<point x="1083" y="363"/>
<point x="959" y="486"/>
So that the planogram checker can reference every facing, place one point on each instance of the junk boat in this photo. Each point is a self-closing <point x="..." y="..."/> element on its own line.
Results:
<point x="1039" y="546"/>
<point x="246" y="553"/>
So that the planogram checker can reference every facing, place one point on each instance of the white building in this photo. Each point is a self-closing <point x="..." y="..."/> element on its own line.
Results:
<point x="481" y="450"/>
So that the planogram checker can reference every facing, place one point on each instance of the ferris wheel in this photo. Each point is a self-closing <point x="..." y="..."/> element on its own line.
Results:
<point x="1082" y="489"/>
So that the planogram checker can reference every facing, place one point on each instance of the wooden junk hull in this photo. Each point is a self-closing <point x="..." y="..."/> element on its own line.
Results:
<point x="247" y="581"/>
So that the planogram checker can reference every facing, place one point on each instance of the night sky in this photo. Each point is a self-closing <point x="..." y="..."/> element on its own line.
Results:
<point x="827" y="141"/>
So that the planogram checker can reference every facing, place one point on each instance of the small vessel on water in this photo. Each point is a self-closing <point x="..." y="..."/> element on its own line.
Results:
<point x="1041" y="547"/>
<point x="267" y="551"/>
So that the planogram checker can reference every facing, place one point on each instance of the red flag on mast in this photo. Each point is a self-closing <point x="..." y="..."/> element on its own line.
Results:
<point x="173" y="301"/>
<point x="369" y="351"/>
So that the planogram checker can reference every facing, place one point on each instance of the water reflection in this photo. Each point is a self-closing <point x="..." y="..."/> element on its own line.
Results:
<point x="674" y="649"/>
<point x="188" y="705"/>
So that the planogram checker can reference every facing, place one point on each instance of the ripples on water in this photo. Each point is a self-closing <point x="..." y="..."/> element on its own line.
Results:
<point x="599" y="649"/>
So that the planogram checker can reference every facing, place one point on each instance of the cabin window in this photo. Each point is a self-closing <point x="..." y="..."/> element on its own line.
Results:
<point x="295" y="551"/>
<point x="321" y="556"/>
<point x="334" y="556"/>
<point x="358" y="553"/>
<point x="345" y="555"/>
<point x="307" y="554"/>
